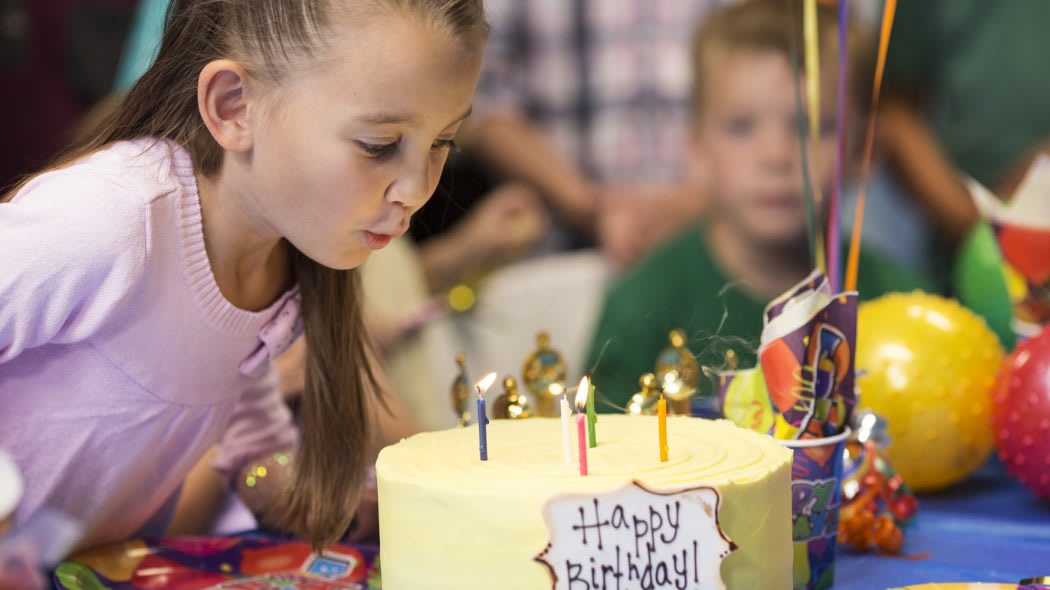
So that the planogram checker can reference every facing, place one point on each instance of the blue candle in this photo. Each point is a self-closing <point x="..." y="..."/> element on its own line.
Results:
<point x="483" y="442"/>
<point x="482" y="435"/>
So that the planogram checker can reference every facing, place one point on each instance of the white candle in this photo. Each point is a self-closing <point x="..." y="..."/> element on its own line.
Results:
<point x="566" y="429"/>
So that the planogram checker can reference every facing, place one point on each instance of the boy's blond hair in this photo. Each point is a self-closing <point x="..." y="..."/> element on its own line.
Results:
<point x="776" y="26"/>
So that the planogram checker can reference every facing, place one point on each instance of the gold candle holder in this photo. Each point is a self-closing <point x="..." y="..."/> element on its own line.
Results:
<point x="732" y="360"/>
<point x="677" y="373"/>
<point x="644" y="402"/>
<point x="544" y="375"/>
<point x="511" y="405"/>
<point x="460" y="393"/>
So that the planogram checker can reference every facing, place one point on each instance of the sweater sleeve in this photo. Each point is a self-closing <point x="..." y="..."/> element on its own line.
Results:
<point x="72" y="247"/>
<point x="261" y="424"/>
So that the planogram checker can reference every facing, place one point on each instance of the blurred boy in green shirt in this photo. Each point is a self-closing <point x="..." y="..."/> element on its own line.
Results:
<point x="714" y="280"/>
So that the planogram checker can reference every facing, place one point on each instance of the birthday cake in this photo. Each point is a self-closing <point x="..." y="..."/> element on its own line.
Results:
<point x="716" y="514"/>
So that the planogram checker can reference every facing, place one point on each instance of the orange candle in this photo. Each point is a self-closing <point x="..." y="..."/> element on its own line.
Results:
<point x="661" y="409"/>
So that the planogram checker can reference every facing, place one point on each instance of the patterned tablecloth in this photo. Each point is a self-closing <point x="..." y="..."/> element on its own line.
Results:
<point x="243" y="562"/>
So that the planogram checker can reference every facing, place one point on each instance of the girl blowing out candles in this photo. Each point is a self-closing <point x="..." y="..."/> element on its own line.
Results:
<point x="151" y="273"/>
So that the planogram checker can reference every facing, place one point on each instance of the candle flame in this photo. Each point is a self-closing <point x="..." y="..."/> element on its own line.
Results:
<point x="556" y="389"/>
<point x="486" y="382"/>
<point x="582" y="391"/>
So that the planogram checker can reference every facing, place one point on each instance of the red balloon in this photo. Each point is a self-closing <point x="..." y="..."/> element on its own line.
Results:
<point x="1021" y="413"/>
<point x="1025" y="248"/>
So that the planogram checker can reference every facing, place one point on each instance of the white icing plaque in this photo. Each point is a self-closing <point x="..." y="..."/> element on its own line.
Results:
<point x="633" y="538"/>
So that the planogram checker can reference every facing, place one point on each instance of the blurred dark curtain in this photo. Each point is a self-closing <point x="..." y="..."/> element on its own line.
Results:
<point x="57" y="59"/>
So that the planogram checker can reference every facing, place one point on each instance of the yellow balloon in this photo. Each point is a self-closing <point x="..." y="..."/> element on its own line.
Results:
<point x="927" y="364"/>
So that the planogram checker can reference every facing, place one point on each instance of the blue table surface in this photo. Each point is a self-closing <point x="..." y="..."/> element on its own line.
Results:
<point x="989" y="528"/>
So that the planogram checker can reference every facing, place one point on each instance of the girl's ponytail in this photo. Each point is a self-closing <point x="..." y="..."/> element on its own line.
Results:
<point x="332" y="458"/>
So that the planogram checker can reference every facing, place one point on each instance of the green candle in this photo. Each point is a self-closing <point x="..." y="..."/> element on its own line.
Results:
<point x="592" y="417"/>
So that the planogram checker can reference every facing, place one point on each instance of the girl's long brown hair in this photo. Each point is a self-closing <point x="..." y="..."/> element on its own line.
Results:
<point x="267" y="36"/>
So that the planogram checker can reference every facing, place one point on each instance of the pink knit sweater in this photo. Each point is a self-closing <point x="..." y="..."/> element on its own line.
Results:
<point x="121" y="362"/>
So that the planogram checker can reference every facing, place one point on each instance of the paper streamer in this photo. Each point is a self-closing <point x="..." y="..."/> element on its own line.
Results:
<point x="834" y="222"/>
<point x="815" y="245"/>
<point x="888" y="11"/>
<point x="811" y="41"/>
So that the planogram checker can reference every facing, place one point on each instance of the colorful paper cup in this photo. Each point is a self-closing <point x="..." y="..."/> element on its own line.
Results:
<point x="816" y="494"/>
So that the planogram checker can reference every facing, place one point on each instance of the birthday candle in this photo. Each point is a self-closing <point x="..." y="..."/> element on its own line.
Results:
<point x="483" y="420"/>
<point x="581" y="436"/>
<point x="834" y="217"/>
<point x="661" y="408"/>
<point x="565" y="429"/>
<point x="592" y="417"/>
<point x="581" y="429"/>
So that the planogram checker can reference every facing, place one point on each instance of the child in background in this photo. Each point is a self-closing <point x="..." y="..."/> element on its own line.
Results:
<point x="152" y="272"/>
<point x="715" y="279"/>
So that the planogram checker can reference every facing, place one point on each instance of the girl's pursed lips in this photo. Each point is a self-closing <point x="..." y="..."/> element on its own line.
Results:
<point x="376" y="241"/>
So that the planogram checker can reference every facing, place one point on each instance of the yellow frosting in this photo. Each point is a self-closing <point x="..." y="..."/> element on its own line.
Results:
<point x="450" y="520"/>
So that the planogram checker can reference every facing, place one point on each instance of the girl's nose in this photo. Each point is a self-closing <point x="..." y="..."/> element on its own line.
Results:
<point x="413" y="185"/>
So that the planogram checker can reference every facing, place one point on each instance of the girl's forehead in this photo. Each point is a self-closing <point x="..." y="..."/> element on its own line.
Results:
<point x="390" y="67"/>
<point x="368" y="40"/>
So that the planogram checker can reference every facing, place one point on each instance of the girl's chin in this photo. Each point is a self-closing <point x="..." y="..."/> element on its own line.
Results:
<point x="347" y="260"/>
<point x="353" y="261"/>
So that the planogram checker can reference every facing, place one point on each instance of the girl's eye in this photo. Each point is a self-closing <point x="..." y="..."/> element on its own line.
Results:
<point x="440" y="144"/>
<point x="377" y="150"/>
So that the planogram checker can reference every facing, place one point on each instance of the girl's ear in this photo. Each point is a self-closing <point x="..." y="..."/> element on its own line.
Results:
<point x="222" y="99"/>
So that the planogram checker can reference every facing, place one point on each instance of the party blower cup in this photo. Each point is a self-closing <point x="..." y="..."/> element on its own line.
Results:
<point x="816" y="494"/>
